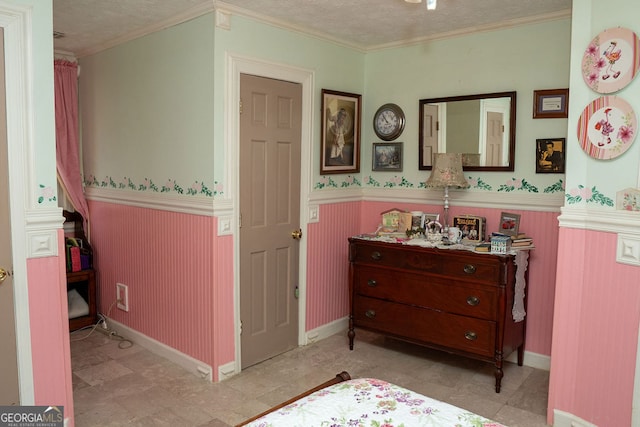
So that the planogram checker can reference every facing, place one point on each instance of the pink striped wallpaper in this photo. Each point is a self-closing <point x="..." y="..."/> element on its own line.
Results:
<point x="596" y="330"/>
<point x="167" y="261"/>
<point x="49" y="325"/>
<point x="180" y="273"/>
<point x="328" y="262"/>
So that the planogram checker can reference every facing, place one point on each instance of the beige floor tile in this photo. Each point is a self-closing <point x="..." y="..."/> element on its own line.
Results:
<point x="131" y="386"/>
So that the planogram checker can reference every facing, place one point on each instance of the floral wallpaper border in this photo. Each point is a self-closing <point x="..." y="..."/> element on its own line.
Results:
<point x="576" y="195"/>
<point x="198" y="188"/>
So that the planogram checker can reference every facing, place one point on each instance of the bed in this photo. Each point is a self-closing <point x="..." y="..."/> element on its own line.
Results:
<point x="347" y="402"/>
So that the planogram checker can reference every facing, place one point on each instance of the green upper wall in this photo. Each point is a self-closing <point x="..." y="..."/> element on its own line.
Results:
<point x="153" y="108"/>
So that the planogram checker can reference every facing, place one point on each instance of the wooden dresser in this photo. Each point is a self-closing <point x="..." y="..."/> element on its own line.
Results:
<point x="454" y="300"/>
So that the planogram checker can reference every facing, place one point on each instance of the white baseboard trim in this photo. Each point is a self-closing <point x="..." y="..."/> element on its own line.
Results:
<point x="195" y="366"/>
<point x="327" y="330"/>
<point x="565" y="419"/>
<point x="533" y="360"/>
<point x="227" y="371"/>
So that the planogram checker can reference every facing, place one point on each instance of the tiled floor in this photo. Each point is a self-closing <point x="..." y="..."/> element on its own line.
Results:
<point x="134" y="387"/>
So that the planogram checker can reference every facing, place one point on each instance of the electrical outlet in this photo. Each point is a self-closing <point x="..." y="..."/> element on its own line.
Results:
<point x="122" y="296"/>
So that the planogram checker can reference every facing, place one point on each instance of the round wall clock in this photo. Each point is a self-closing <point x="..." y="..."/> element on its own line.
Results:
<point x="611" y="60"/>
<point x="607" y="127"/>
<point x="388" y="122"/>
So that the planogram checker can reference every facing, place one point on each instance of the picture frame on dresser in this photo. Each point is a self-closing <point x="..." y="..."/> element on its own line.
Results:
<point x="509" y="223"/>
<point x="340" y="132"/>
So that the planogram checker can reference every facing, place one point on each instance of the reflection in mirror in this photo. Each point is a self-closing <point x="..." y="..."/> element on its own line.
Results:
<point x="482" y="127"/>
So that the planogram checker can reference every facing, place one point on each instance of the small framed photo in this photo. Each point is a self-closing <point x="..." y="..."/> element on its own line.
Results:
<point x="550" y="156"/>
<point x="387" y="156"/>
<point x="340" y="138"/>
<point x="551" y="104"/>
<point x="509" y="223"/>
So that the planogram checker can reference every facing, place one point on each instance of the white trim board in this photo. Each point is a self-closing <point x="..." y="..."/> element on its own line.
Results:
<point x="195" y="366"/>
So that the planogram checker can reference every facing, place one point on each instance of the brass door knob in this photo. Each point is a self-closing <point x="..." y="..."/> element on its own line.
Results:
<point x="296" y="234"/>
<point x="3" y="274"/>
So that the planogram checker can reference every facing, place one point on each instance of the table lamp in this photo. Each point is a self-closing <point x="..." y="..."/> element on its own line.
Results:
<point x="447" y="172"/>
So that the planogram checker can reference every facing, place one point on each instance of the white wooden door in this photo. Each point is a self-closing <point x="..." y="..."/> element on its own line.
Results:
<point x="494" y="139"/>
<point x="10" y="389"/>
<point x="430" y="134"/>
<point x="270" y="144"/>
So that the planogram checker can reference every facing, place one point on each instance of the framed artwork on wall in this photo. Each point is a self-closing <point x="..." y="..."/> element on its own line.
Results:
<point x="550" y="155"/>
<point x="340" y="132"/>
<point x="387" y="156"/>
<point x="551" y="104"/>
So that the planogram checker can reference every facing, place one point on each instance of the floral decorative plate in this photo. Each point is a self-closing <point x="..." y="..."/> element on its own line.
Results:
<point x="607" y="127"/>
<point x="611" y="60"/>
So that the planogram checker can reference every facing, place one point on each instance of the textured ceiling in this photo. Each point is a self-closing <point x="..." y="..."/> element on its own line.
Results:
<point x="90" y="25"/>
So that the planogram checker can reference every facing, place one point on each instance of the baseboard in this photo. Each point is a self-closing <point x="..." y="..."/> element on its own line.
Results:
<point x="533" y="360"/>
<point x="227" y="371"/>
<point x="195" y="366"/>
<point x="565" y="419"/>
<point x="325" y="331"/>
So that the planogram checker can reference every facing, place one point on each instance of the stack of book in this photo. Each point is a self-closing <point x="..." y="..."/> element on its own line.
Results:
<point x="522" y="241"/>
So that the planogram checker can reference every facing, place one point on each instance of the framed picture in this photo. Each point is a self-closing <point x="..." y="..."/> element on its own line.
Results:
<point x="340" y="138"/>
<point x="551" y="104"/>
<point x="550" y="156"/>
<point x="387" y="156"/>
<point x="509" y="223"/>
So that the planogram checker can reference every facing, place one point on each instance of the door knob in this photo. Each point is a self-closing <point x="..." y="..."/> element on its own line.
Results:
<point x="3" y="274"/>
<point x="296" y="234"/>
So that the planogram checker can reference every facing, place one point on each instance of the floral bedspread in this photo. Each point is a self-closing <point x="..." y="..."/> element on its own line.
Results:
<point x="367" y="402"/>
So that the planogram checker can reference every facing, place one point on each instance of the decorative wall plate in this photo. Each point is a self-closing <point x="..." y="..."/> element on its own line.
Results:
<point x="611" y="60"/>
<point x="607" y="127"/>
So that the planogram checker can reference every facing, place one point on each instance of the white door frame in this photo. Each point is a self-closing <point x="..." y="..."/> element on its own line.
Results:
<point x="16" y="22"/>
<point x="236" y="65"/>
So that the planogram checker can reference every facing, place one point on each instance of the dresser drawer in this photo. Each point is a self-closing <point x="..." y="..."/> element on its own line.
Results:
<point x="426" y="291"/>
<point x="425" y="325"/>
<point x="474" y="269"/>
<point x="389" y="256"/>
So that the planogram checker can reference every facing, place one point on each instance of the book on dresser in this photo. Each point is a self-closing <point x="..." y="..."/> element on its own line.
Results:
<point x="458" y="301"/>
<point x="521" y="241"/>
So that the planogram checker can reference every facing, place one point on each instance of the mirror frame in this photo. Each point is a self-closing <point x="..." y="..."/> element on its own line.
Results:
<point x="512" y="129"/>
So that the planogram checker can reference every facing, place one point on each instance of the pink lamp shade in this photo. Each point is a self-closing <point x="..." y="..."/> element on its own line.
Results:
<point x="447" y="171"/>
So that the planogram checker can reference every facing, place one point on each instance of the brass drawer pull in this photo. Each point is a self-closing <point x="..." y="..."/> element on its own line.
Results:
<point x="370" y="314"/>
<point x="469" y="268"/>
<point x="473" y="301"/>
<point x="376" y="255"/>
<point x="471" y="336"/>
<point x="372" y="283"/>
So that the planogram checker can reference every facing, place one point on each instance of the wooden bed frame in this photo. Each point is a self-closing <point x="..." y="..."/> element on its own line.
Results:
<point x="342" y="376"/>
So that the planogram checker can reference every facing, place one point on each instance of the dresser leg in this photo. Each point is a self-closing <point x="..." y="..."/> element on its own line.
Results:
<point x="499" y="374"/>
<point x="351" y="334"/>
<point x="521" y="355"/>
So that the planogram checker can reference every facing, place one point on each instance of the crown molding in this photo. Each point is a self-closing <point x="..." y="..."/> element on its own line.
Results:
<point x="232" y="9"/>
<point x="187" y="15"/>
<point x="511" y="23"/>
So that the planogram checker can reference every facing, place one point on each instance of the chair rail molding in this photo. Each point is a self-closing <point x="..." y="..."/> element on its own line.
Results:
<point x="625" y="224"/>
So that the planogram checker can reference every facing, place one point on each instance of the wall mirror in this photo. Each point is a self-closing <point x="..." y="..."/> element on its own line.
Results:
<point x="482" y="127"/>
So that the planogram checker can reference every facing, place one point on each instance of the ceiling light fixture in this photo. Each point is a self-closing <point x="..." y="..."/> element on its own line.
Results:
<point x="413" y="1"/>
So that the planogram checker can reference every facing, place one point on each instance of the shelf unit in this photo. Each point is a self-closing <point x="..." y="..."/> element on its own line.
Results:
<point x="84" y="282"/>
